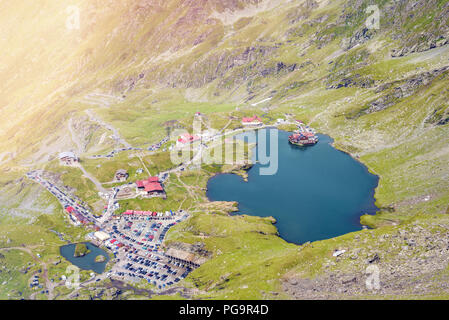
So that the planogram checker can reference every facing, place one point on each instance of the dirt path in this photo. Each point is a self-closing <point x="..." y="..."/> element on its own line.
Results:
<point x="48" y="284"/>
<point x="91" y="178"/>
<point x="86" y="283"/>
<point x="226" y="126"/>
<point x="75" y="138"/>
<point x="143" y="164"/>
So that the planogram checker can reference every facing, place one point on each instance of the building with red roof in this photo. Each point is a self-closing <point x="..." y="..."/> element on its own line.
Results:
<point x="309" y="134"/>
<point x="70" y="209"/>
<point x="143" y="183"/>
<point x="186" y="139"/>
<point x="153" y="187"/>
<point x="150" y="187"/>
<point x="252" y="121"/>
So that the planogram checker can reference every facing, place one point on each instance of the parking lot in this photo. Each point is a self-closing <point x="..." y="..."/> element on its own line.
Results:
<point x="136" y="241"/>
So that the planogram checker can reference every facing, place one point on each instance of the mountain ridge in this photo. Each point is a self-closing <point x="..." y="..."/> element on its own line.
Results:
<point x="146" y="67"/>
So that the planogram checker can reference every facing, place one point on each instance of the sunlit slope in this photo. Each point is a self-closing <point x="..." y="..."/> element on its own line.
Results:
<point x="123" y="45"/>
<point x="162" y="60"/>
<point x="46" y="61"/>
<point x="141" y="66"/>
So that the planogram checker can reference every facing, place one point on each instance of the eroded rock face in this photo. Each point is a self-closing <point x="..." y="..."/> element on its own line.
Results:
<point x="414" y="262"/>
<point x="393" y="92"/>
<point x="403" y="89"/>
<point x="358" y="38"/>
<point x="423" y="31"/>
<point x="355" y="81"/>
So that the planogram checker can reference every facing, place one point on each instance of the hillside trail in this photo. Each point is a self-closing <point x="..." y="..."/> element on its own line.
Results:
<point x="102" y="100"/>
<point x="91" y="178"/>
<point x="48" y="284"/>
<point x="116" y="135"/>
<point x="75" y="137"/>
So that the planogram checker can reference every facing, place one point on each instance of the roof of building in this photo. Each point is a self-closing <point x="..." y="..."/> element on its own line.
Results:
<point x="121" y="171"/>
<point x="251" y="119"/>
<point x="69" y="209"/>
<point x="67" y="155"/>
<point x="143" y="183"/>
<point x="153" y="186"/>
<point x="145" y="213"/>
<point x="102" y="235"/>
<point x="186" y="138"/>
<point x="186" y="256"/>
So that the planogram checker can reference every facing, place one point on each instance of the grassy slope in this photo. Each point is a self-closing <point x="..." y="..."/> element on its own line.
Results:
<point x="410" y="156"/>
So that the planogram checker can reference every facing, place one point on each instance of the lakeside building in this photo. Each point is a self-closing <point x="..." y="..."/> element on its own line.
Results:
<point x="253" y="121"/>
<point x="279" y="121"/>
<point x="68" y="158"/>
<point x="121" y="175"/>
<point x="209" y="134"/>
<point x="151" y="187"/>
<point x="303" y="139"/>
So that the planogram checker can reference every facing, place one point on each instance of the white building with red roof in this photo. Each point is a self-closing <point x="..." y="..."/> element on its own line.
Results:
<point x="150" y="187"/>
<point x="252" y="121"/>
<point x="186" y="139"/>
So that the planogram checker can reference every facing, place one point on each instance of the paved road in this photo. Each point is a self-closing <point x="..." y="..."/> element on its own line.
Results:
<point x="65" y="199"/>
<point x="203" y="146"/>
<point x="75" y="137"/>
<point x="116" y="135"/>
<point x="110" y="210"/>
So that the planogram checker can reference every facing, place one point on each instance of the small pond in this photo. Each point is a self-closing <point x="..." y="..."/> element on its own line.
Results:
<point x="86" y="262"/>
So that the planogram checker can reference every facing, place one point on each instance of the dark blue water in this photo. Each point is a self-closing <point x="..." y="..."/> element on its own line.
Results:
<point x="88" y="261"/>
<point x="317" y="193"/>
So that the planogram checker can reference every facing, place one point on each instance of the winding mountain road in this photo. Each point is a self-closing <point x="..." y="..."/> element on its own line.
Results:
<point x="116" y="135"/>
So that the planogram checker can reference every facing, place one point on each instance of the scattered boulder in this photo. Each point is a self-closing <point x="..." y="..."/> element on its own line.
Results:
<point x="373" y="259"/>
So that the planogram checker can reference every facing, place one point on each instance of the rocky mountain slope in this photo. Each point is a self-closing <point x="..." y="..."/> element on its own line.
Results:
<point x="380" y="92"/>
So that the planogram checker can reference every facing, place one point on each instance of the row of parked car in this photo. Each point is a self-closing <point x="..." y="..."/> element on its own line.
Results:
<point x="150" y="270"/>
<point x="114" y="152"/>
<point x="142" y="259"/>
